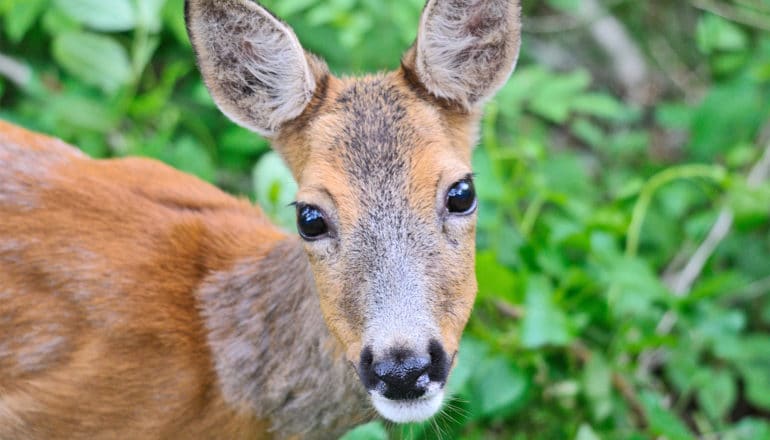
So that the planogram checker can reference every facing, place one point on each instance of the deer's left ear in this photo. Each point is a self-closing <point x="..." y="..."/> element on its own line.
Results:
<point x="466" y="49"/>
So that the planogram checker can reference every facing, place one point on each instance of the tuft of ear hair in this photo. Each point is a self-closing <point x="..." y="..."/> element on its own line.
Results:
<point x="466" y="49"/>
<point x="251" y="62"/>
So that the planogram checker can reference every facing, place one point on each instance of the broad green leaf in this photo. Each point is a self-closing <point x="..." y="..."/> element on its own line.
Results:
<point x="544" y="323"/>
<point x="21" y="16"/>
<point x="275" y="189"/>
<point x="190" y="156"/>
<point x="585" y="432"/>
<point x="498" y="385"/>
<point x="751" y="356"/>
<point x="81" y="113"/>
<point x="100" y="15"/>
<point x="663" y="421"/>
<point x="56" y="22"/>
<point x="716" y="33"/>
<point x="148" y="14"/>
<point x="240" y="140"/>
<point x="495" y="280"/>
<point x="369" y="431"/>
<point x="757" y="380"/>
<point x="716" y="393"/>
<point x="553" y="99"/>
<point x="288" y="7"/>
<point x="173" y="18"/>
<point x="602" y="106"/>
<point x="636" y="287"/>
<point x="470" y="354"/>
<point x="730" y="115"/>
<point x="674" y="115"/>
<point x="588" y="132"/>
<point x="95" y="59"/>
<point x="565" y="5"/>
<point x="597" y="386"/>
<point x="749" y="429"/>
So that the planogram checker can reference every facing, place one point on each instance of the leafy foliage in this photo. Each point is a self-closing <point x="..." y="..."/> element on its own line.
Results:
<point x="592" y="198"/>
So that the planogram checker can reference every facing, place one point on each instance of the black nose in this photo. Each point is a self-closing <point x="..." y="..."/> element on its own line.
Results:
<point x="402" y="374"/>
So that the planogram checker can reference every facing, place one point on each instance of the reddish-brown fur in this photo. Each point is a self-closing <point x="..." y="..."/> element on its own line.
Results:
<point x="100" y="333"/>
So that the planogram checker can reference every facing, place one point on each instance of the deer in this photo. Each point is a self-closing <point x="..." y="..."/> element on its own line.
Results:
<point x="137" y="301"/>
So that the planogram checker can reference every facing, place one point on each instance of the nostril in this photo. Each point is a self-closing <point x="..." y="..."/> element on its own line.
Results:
<point x="439" y="362"/>
<point x="366" y="370"/>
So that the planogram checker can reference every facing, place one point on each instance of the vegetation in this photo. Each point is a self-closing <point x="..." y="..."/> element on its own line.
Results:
<point x="624" y="228"/>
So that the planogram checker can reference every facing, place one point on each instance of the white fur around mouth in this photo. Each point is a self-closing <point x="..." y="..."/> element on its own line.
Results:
<point x="404" y="411"/>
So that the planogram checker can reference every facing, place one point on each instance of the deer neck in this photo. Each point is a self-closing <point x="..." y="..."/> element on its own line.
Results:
<point x="272" y="350"/>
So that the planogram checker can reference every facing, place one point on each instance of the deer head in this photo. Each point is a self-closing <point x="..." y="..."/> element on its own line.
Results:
<point x="386" y="205"/>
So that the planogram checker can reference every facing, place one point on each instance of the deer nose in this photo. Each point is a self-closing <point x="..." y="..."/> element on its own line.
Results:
<point x="405" y="375"/>
<point x="402" y="374"/>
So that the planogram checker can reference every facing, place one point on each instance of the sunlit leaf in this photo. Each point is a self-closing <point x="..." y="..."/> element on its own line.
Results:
<point x="100" y="15"/>
<point x="544" y="323"/>
<point x="95" y="59"/>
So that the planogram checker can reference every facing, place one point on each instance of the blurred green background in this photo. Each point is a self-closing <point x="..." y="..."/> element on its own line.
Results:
<point x="624" y="228"/>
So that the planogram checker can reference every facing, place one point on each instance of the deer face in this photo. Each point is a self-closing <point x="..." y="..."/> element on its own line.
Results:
<point x="386" y="204"/>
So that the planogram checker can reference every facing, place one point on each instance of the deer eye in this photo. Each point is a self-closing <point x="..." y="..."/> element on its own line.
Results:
<point x="461" y="198"/>
<point x="310" y="222"/>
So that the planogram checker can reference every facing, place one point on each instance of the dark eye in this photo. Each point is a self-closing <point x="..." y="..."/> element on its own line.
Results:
<point x="461" y="198"/>
<point x="310" y="222"/>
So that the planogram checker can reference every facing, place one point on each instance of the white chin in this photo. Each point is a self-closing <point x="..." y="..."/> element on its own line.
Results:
<point x="404" y="411"/>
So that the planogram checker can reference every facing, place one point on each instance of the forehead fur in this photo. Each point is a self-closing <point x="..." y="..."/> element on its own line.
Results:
<point x="373" y="129"/>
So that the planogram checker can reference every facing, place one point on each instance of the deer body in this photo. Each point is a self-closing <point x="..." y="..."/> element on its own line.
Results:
<point x="112" y="273"/>
<point x="139" y="302"/>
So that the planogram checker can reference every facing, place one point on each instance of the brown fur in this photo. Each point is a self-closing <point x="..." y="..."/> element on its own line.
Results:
<point x="101" y="335"/>
<point x="139" y="302"/>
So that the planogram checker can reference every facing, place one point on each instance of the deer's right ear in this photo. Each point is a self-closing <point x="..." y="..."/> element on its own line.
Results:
<point x="251" y="62"/>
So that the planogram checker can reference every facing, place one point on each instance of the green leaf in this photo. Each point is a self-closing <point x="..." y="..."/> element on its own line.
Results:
<point x="544" y="323"/>
<point x="471" y="352"/>
<point x="585" y="432"/>
<point x="81" y="113"/>
<point x="588" y="132"/>
<point x="499" y="386"/>
<point x="22" y="16"/>
<point x="674" y="115"/>
<point x="662" y="420"/>
<point x="189" y="156"/>
<point x="148" y="14"/>
<point x="597" y="386"/>
<point x="275" y="189"/>
<point x="716" y="33"/>
<point x="173" y="18"/>
<point x="100" y="15"/>
<point x="751" y="356"/>
<point x="602" y="106"/>
<point x="369" y="431"/>
<point x="716" y="393"/>
<point x="553" y="100"/>
<point x="749" y="429"/>
<point x="730" y="115"/>
<point x="637" y="287"/>
<point x="565" y="5"/>
<point x="495" y="280"/>
<point x="94" y="59"/>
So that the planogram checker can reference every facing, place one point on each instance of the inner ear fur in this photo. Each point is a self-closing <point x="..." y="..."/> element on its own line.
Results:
<point x="252" y="63"/>
<point x="465" y="49"/>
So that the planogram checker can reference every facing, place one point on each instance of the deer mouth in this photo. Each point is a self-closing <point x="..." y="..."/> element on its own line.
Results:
<point x="409" y="410"/>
